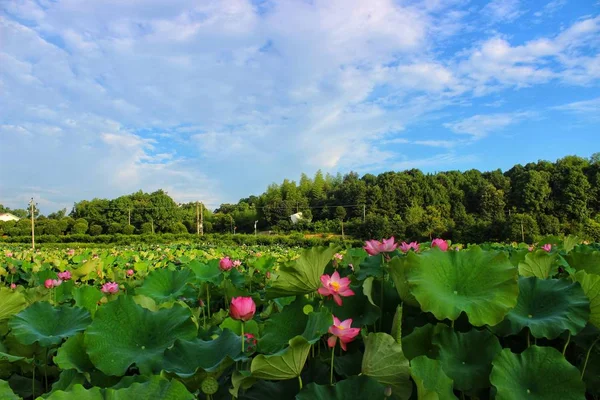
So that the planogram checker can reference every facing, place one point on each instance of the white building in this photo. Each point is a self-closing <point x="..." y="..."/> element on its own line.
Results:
<point x="8" y="217"/>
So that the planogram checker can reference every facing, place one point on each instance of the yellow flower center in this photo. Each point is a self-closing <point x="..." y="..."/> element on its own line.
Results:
<point x="335" y="286"/>
<point x="340" y="327"/>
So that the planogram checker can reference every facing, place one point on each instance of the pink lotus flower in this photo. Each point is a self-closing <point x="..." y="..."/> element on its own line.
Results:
<point x="130" y="272"/>
<point x="374" y="247"/>
<point x="440" y="244"/>
<point x="338" y="256"/>
<point x="268" y="274"/>
<point x="547" y="247"/>
<point x="110" y="287"/>
<point x="258" y="254"/>
<point x="9" y="254"/>
<point x="342" y="330"/>
<point x="242" y="308"/>
<point x="225" y="264"/>
<point x="70" y="252"/>
<point x="531" y="248"/>
<point x="405" y="247"/>
<point x="237" y="263"/>
<point x="13" y="286"/>
<point x="52" y="283"/>
<point x="65" y="276"/>
<point x="335" y="286"/>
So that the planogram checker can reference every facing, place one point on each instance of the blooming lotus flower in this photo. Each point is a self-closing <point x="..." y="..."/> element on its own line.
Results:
<point x="531" y="248"/>
<point x="547" y="247"/>
<point x="13" y="286"/>
<point x="405" y="247"/>
<point x="374" y="247"/>
<point x="130" y="272"/>
<point x="342" y="330"/>
<point x="9" y="254"/>
<point x="52" y="283"/>
<point x="237" y="263"/>
<point x="225" y="264"/>
<point x="335" y="286"/>
<point x="65" y="276"/>
<point x="70" y="252"/>
<point x="440" y="244"/>
<point x="242" y="308"/>
<point x="338" y="256"/>
<point x="110" y="287"/>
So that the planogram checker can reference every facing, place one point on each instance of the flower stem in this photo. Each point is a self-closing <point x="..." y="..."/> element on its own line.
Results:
<point x="331" y="374"/>
<point x="300" y="381"/>
<point x="243" y="337"/>
<point x="46" y="370"/>
<point x="587" y="356"/>
<point x="528" y="339"/>
<point x="381" y="299"/>
<point x="208" y="299"/>
<point x="566" y="344"/>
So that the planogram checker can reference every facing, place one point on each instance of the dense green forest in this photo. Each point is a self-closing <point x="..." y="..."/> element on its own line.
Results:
<point x="525" y="202"/>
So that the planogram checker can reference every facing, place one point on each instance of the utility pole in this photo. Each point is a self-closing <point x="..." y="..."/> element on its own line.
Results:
<point x="255" y="222"/>
<point x="32" y="206"/>
<point x="364" y="212"/>
<point x="197" y="219"/>
<point x="202" y="219"/>
<point x="129" y="217"/>
<point x="522" y="232"/>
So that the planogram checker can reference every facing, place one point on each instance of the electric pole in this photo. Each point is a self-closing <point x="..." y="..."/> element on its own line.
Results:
<point x="197" y="219"/>
<point x="364" y="212"/>
<point x="32" y="206"/>
<point x="202" y="219"/>
<point x="129" y="216"/>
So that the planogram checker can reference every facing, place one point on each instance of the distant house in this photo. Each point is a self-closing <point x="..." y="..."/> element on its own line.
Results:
<point x="8" y="217"/>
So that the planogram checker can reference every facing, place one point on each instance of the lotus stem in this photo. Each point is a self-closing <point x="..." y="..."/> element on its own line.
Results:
<point x="46" y="370"/>
<point x="331" y="373"/>
<point x="587" y="357"/>
<point x="381" y="298"/>
<point x="528" y="339"/>
<point x="566" y="344"/>
<point x="208" y="299"/>
<point x="243" y="338"/>
<point x="300" y="381"/>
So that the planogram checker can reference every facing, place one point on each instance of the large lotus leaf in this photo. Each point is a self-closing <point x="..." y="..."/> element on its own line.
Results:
<point x="87" y="297"/>
<point x="590" y="283"/>
<point x="124" y="333"/>
<point x="483" y="284"/>
<point x="420" y="341"/>
<point x="353" y="388"/>
<point x="186" y="356"/>
<point x="67" y="380"/>
<point x="207" y="273"/>
<point x="398" y="269"/>
<point x="432" y="383"/>
<point x="48" y="325"/>
<point x="537" y="373"/>
<point x="467" y="357"/>
<point x="384" y="361"/>
<point x="155" y="388"/>
<point x="6" y="392"/>
<point x="303" y="275"/>
<point x="283" y="326"/>
<point x="548" y="307"/>
<point x="357" y="307"/>
<point x="163" y="285"/>
<point x="72" y="355"/>
<point x="286" y="364"/>
<point x="87" y="270"/>
<point x="540" y="264"/>
<point x="11" y="302"/>
<point x="262" y="390"/>
<point x="584" y="258"/>
<point x="318" y="324"/>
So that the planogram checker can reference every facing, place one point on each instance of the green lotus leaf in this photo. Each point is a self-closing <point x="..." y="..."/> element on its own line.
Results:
<point x="537" y="373"/>
<point x="207" y="273"/>
<point x="398" y="269"/>
<point x="283" y="326"/>
<point x="467" y="357"/>
<point x="357" y="307"/>
<point x="353" y="388"/>
<point x="370" y="266"/>
<point x="6" y="392"/>
<point x="11" y="302"/>
<point x="286" y="364"/>
<point x="483" y="284"/>
<point x="540" y="264"/>
<point x="303" y="275"/>
<point x="548" y="307"/>
<point x="163" y="285"/>
<point x="384" y="361"/>
<point x="432" y="383"/>
<point x="187" y="356"/>
<point x="235" y="326"/>
<point x="582" y="258"/>
<point x="590" y="284"/>
<point x="72" y="355"/>
<point x="318" y="325"/>
<point x="124" y="333"/>
<point x="420" y="341"/>
<point x="155" y="388"/>
<point x="67" y="380"/>
<point x="348" y="364"/>
<point x="87" y="270"/>
<point x="47" y="325"/>
<point x="87" y="297"/>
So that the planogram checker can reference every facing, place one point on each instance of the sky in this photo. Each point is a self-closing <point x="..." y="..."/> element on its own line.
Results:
<point x="214" y="100"/>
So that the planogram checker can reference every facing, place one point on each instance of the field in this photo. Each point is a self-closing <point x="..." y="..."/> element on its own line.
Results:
<point x="390" y="320"/>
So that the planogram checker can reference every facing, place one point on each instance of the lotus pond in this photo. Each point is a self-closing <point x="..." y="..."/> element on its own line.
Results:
<point x="388" y="321"/>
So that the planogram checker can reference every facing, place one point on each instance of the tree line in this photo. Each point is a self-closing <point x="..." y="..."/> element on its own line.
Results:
<point x="523" y="203"/>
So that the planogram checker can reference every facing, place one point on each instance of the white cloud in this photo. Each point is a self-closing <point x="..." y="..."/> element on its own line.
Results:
<point x="503" y="10"/>
<point x="591" y="107"/>
<point x="479" y="126"/>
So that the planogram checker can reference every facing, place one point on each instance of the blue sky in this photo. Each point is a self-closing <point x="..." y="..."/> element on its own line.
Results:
<point x="214" y="100"/>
